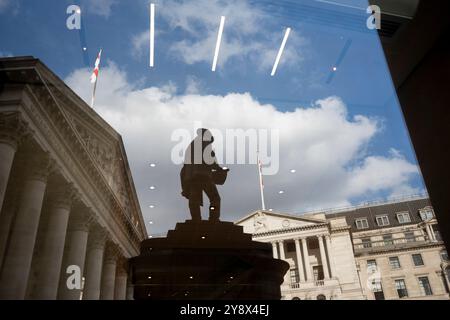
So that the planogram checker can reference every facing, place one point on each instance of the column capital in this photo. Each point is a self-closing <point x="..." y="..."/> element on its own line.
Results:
<point x="81" y="220"/>
<point x="112" y="252"/>
<point x="63" y="195"/>
<point x="97" y="237"/>
<point x="122" y="265"/>
<point x="13" y="129"/>
<point x="39" y="166"/>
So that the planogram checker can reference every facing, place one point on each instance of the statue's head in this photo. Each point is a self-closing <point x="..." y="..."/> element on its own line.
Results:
<point x="205" y="134"/>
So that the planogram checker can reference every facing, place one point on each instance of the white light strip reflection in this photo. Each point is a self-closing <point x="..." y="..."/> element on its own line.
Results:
<point x="152" y="33"/>
<point x="280" y="52"/>
<point x="219" y="38"/>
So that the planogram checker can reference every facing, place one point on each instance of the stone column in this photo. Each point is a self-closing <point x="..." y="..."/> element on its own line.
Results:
<point x="429" y="232"/>
<point x="17" y="262"/>
<point x="323" y="258"/>
<point x="6" y="217"/>
<point x="281" y="246"/>
<point x="274" y="250"/>
<point x="330" y="258"/>
<point x="12" y="129"/>
<point x="94" y="263"/>
<point x="120" y="290"/>
<point x="309" y="276"/>
<point x="74" y="251"/>
<point x="52" y="247"/>
<point x="299" y="260"/>
<point x="130" y="291"/>
<point x="432" y="232"/>
<point x="109" y="272"/>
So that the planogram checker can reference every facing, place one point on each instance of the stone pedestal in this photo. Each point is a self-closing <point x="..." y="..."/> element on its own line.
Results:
<point x="206" y="260"/>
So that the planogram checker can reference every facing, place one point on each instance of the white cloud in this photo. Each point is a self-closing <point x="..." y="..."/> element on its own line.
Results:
<point x="248" y="33"/>
<point x="323" y="144"/>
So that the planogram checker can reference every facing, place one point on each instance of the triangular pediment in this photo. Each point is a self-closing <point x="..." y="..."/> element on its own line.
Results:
<point x="265" y="221"/>
<point x="102" y="143"/>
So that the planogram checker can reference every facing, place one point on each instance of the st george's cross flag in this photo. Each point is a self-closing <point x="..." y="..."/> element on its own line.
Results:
<point x="94" y="76"/>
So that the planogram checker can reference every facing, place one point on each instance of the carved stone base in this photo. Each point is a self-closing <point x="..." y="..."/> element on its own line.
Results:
<point x="206" y="260"/>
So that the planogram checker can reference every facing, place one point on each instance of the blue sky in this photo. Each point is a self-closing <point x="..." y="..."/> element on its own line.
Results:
<point x="184" y="46"/>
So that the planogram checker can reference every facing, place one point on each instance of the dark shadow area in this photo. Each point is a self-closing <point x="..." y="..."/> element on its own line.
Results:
<point x="419" y="62"/>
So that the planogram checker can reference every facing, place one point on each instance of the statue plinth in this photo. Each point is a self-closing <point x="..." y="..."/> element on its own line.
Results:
<point x="207" y="260"/>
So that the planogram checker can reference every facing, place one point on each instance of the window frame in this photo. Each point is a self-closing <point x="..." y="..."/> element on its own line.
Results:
<point x="424" y="214"/>
<point x="397" y="259"/>
<point x="421" y="259"/>
<point x="403" y="214"/>
<point x="366" y="244"/>
<point x="423" y="290"/>
<point x="388" y="242"/>
<point x="382" y="216"/>
<point x="361" y="220"/>
<point x="372" y="267"/>
<point x="409" y="239"/>
<point x="402" y="292"/>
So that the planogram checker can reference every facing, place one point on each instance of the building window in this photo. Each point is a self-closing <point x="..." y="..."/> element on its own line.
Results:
<point x="371" y="266"/>
<point x="394" y="262"/>
<point x="387" y="238"/>
<point x="362" y="223"/>
<point x="321" y="297"/>
<point x="377" y="290"/>
<point x="403" y="217"/>
<point x="318" y="273"/>
<point x="425" y="287"/>
<point x="444" y="255"/>
<point x="410" y="237"/>
<point x="294" y="276"/>
<point x="401" y="288"/>
<point x="366" y="243"/>
<point x="295" y="298"/>
<point x="417" y="258"/>
<point x="426" y="214"/>
<point x="382" y="220"/>
<point x="437" y="233"/>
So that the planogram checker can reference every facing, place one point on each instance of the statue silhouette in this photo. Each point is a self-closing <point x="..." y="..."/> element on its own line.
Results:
<point x="200" y="173"/>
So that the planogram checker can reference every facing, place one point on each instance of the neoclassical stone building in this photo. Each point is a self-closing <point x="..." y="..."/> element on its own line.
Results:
<point x="384" y="251"/>
<point x="67" y="197"/>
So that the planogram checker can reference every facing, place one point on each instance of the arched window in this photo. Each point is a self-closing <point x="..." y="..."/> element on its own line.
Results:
<point x="295" y="298"/>
<point x="321" y="297"/>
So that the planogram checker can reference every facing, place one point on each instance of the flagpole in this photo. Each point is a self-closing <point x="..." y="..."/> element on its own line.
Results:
<point x="93" y="93"/>
<point x="261" y="185"/>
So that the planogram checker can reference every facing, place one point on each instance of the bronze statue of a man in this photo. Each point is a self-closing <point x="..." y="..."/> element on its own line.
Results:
<point x="200" y="173"/>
